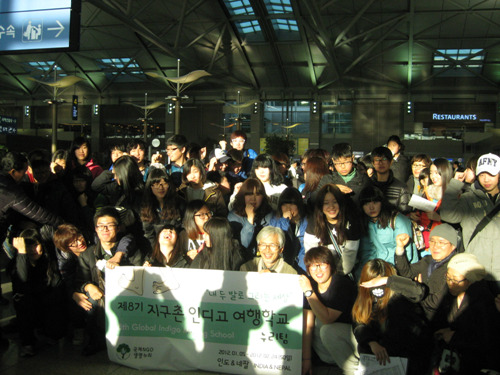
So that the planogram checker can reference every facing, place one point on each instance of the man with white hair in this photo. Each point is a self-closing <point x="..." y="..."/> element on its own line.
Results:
<point x="270" y="245"/>
<point x="477" y="211"/>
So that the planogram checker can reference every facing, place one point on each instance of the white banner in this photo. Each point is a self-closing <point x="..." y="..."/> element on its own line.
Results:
<point x="221" y="321"/>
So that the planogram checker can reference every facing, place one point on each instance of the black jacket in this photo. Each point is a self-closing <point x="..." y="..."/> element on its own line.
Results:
<point x="13" y="198"/>
<point x="401" y="167"/>
<point x="395" y="192"/>
<point x="435" y="282"/>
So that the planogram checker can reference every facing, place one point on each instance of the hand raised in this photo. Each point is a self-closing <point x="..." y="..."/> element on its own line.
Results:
<point x="18" y="243"/>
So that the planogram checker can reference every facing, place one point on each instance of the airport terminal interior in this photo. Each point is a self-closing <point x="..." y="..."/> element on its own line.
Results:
<point x="317" y="72"/>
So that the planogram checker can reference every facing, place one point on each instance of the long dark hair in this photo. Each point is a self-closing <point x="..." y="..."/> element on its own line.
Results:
<point x="445" y="170"/>
<point x="291" y="196"/>
<point x="314" y="171"/>
<point x="76" y="144"/>
<point x="249" y="186"/>
<point x="189" y="224"/>
<point x="150" y="206"/>
<point x="187" y="170"/>
<point x="387" y="211"/>
<point x="129" y="177"/>
<point x="158" y="256"/>
<point x="32" y="237"/>
<point x="266" y="161"/>
<point x="321" y="228"/>
<point x="222" y="255"/>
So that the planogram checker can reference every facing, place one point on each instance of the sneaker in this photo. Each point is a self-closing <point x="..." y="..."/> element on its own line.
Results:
<point x="78" y="336"/>
<point x="27" y="351"/>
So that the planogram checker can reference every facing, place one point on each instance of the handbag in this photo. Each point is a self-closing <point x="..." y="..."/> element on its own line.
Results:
<point x="417" y="233"/>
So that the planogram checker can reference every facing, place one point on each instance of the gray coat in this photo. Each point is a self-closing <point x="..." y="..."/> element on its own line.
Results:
<point x="468" y="209"/>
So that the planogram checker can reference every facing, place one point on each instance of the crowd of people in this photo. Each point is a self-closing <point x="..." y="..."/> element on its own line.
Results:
<point x="379" y="275"/>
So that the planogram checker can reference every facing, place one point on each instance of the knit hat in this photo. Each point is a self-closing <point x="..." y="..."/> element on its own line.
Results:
<point x="489" y="163"/>
<point x="445" y="231"/>
<point x="469" y="266"/>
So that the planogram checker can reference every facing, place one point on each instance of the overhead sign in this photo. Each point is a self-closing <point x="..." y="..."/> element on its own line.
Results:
<point x="8" y="125"/>
<point x="161" y="318"/>
<point x="74" y="108"/>
<point x="31" y="26"/>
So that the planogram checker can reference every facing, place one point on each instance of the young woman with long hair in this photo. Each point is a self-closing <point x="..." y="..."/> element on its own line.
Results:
<point x="387" y="322"/>
<point x="441" y="172"/>
<point x="166" y="250"/>
<point x="38" y="291"/>
<point x="221" y="250"/>
<point x="195" y="186"/>
<point x="335" y="226"/>
<point x="316" y="175"/>
<point x="382" y="223"/>
<point x="191" y="239"/>
<point x="79" y="154"/>
<point x="161" y="204"/>
<point x="251" y="212"/>
<point x="265" y="169"/>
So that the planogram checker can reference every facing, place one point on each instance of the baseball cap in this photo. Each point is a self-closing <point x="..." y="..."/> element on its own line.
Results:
<point x="221" y="155"/>
<point x="489" y="163"/>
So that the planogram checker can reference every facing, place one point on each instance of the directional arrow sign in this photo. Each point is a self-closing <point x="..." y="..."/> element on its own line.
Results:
<point x="60" y="28"/>
<point x="48" y="26"/>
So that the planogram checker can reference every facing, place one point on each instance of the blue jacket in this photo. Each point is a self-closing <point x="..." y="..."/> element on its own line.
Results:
<point x="381" y="243"/>
<point x="284" y="224"/>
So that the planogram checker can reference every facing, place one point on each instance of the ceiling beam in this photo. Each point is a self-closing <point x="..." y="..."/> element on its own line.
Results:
<point x="87" y="77"/>
<point x="181" y="24"/>
<point x="19" y="83"/>
<point x="372" y="47"/>
<point x="411" y="19"/>
<point x="360" y="13"/>
<point x="305" y="43"/>
<point x="140" y="28"/>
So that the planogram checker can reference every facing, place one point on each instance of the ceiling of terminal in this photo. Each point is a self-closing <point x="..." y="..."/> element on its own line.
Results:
<point x="272" y="49"/>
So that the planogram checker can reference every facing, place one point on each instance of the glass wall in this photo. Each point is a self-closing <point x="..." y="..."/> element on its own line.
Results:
<point x="337" y="117"/>
<point x="287" y="117"/>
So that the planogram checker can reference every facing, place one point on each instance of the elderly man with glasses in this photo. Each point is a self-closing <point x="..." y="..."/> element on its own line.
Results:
<point x="270" y="246"/>
<point x="431" y="269"/>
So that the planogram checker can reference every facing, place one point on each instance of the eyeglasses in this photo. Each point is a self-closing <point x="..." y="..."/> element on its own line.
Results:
<point x="322" y="266"/>
<point x="204" y="214"/>
<point x="79" y="241"/>
<point x="103" y="227"/>
<point x="158" y="185"/>
<point x="418" y="165"/>
<point x="272" y="246"/>
<point x="342" y="164"/>
<point x="453" y="281"/>
<point x="172" y="149"/>
<point x="439" y="243"/>
<point x="380" y="160"/>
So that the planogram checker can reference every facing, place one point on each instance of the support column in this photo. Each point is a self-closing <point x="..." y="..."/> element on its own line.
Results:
<point x="96" y="128"/>
<point x="256" y="127"/>
<point x="315" y="126"/>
